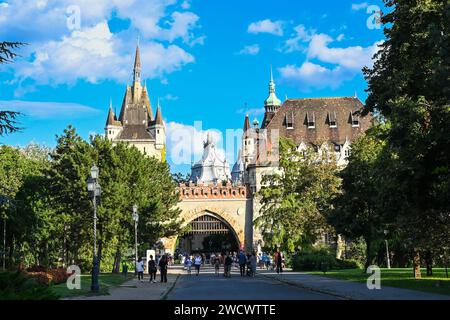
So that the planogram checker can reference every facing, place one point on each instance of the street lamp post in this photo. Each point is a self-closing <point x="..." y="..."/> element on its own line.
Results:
<point x="94" y="188"/>
<point x="135" y="219"/>
<point x="388" y="260"/>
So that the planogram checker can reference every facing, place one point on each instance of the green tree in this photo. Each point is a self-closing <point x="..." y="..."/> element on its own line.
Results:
<point x="8" y="119"/>
<point x="357" y="209"/>
<point x="409" y="85"/>
<point x="295" y="199"/>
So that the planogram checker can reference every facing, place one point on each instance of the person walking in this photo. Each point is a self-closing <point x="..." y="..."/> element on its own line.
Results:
<point x="242" y="259"/>
<point x="279" y="261"/>
<point x="217" y="264"/>
<point x="253" y="264"/>
<point x="140" y="269"/>
<point x="152" y="269"/>
<point x="227" y="265"/>
<point x="188" y="264"/>
<point x="163" y="268"/>
<point x="198" y="263"/>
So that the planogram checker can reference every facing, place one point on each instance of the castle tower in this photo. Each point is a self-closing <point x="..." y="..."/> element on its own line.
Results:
<point x="135" y="124"/>
<point x="113" y="127"/>
<point x="272" y="103"/>
<point x="159" y="129"/>
<point x="248" y="142"/>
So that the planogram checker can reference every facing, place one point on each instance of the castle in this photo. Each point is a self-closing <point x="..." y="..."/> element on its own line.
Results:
<point x="136" y="124"/>
<point x="218" y="200"/>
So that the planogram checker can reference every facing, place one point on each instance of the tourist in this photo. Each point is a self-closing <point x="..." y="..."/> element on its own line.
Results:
<point x="163" y="268"/>
<point x="188" y="264"/>
<point x="217" y="264"/>
<point x="279" y="261"/>
<point x="198" y="263"/>
<point x="253" y="264"/>
<point x="227" y="265"/>
<point x="242" y="261"/>
<point x="152" y="269"/>
<point x="140" y="269"/>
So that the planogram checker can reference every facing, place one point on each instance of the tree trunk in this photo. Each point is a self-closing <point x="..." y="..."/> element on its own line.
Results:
<point x="429" y="263"/>
<point x="64" y="248"/>
<point x="117" y="260"/>
<point x="369" y="257"/>
<point x="416" y="264"/>
<point x="339" y="245"/>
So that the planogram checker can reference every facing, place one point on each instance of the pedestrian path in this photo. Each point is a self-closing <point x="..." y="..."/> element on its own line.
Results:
<point x="348" y="289"/>
<point x="137" y="290"/>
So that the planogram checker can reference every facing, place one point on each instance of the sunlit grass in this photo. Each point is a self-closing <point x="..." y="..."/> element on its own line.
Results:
<point x="105" y="280"/>
<point x="398" y="277"/>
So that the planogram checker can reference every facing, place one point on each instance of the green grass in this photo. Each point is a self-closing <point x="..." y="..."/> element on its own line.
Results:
<point x="398" y="277"/>
<point x="105" y="280"/>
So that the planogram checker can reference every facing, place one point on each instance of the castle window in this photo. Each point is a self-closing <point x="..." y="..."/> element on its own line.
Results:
<point x="290" y="120"/>
<point x="332" y="119"/>
<point x="354" y="119"/>
<point x="157" y="131"/>
<point x="337" y="148"/>
<point x="311" y="120"/>
<point x="109" y="131"/>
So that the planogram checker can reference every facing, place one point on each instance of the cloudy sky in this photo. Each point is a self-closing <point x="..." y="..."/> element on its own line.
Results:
<point x="206" y="61"/>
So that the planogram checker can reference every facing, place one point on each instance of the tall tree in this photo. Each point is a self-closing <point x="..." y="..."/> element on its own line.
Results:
<point x="409" y="86"/>
<point x="8" y="119"/>
<point x="358" y="212"/>
<point x="295" y="199"/>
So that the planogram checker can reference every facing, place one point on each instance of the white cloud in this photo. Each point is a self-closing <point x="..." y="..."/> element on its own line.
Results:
<point x="250" y="50"/>
<point x="266" y="26"/>
<point x="359" y="6"/>
<point x="186" y="4"/>
<point x="296" y="42"/>
<point x="251" y="112"/>
<point x="58" y="55"/>
<point x="185" y="142"/>
<point x="50" y="110"/>
<point x="346" y="62"/>
<point x="310" y="75"/>
<point x="355" y="57"/>
<point x="170" y="97"/>
<point x="94" y="54"/>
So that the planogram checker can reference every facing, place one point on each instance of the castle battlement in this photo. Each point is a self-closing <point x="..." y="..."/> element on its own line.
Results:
<point x="192" y="191"/>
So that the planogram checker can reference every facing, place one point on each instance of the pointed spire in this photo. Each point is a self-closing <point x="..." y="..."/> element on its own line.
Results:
<point x="158" y="118"/>
<point x="111" y="116"/>
<point x="271" y="73"/>
<point x="137" y="65"/>
<point x="246" y="123"/>
<point x="356" y="95"/>
<point x="272" y="99"/>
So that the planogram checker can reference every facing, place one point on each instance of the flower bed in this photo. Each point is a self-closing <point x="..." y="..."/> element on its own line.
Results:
<point x="47" y="277"/>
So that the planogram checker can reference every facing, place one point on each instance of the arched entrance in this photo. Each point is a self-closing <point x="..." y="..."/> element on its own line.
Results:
<point x="208" y="233"/>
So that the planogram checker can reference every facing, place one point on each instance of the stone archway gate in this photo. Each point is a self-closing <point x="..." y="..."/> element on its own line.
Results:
<point x="228" y="203"/>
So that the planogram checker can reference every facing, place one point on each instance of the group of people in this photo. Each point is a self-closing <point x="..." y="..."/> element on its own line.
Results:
<point x="153" y="266"/>
<point x="247" y="263"/>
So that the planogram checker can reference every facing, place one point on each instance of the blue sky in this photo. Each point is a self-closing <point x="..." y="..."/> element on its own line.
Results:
<point x="207" y="61"/>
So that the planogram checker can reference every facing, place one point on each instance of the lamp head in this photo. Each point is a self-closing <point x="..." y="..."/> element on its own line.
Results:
<point x="94" y="172"/>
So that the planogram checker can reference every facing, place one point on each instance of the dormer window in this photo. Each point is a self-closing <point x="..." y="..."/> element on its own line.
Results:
<point x="290" y="121"/>
<point x="354" y="119"/>
<point x="311" y="120"/>
<point x="332" y="119"/>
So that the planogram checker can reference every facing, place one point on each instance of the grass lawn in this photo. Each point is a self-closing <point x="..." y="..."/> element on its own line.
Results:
<point x="398" y="277"/>
<point x="105" y="280"/>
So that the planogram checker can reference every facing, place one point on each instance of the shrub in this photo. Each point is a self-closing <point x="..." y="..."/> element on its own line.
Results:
<point x="37" y="269"/>
<point x="20" y="286"/>
<point x="320" y="260"/>
<point x="52" y="276"/>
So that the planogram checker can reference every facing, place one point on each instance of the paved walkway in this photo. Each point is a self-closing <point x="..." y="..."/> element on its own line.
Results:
<point x="348" y="289"/>
<point x="137" y="290"/>
<point x="208" y="286"/>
